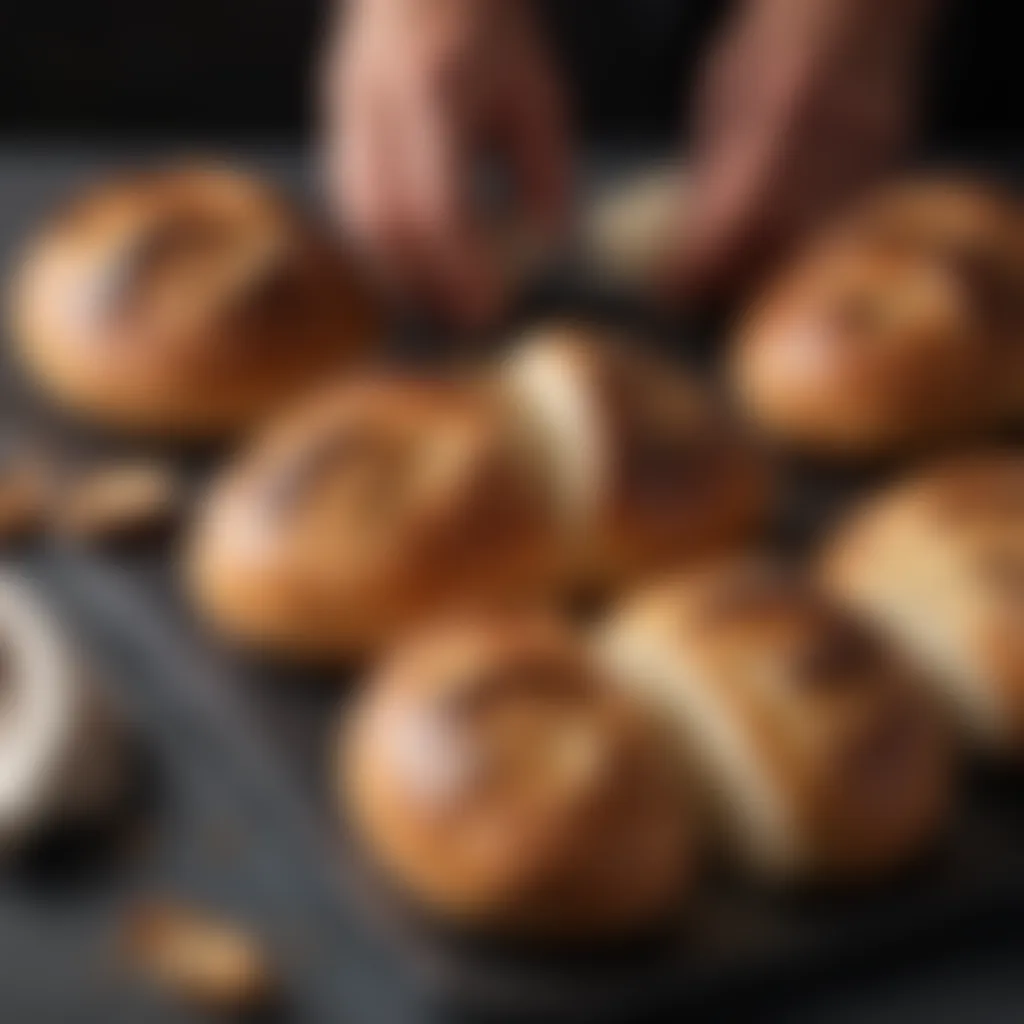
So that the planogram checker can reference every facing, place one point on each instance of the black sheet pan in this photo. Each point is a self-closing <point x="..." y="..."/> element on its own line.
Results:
<point x="238" y="815"/>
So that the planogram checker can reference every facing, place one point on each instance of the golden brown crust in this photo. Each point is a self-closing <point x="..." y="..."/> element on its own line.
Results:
<point x="823" y="755"/>
<point x="188" y="301"/>
<point x="903" y="326"/>
<point x="502" y="783"/>
<point x="375" y="504"/>
<point x="647" y="471"/>
<point x="938" y="560"/>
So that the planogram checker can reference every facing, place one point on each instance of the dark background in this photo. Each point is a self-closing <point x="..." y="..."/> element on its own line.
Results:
<point x="84" y="69"/>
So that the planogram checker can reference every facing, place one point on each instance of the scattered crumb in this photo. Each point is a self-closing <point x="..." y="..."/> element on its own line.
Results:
<point x="203" y="960"/>
<point x="117" y="502"/>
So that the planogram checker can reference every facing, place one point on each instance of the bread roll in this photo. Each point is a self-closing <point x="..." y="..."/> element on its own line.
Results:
<point x="938" y="561"/>
<point x="375" y="503"/>
<point x="503" y="784"/>
<point x="643" y="469"/>
<point x="822" y="758"/>
<point x="62" y="756"/>
<point x="185" y="301"/>
<point x="901" y="328"/>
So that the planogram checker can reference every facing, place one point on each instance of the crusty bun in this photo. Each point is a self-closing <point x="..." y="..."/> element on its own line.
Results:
<point x="823" y="757"/>
<point x="498" y="778"/>
<point x="374" y="503"/>
<point x="643" y="469"/>
<point x="186" y="301"/>
<point x="902" y="327"/>
<point x="62" y="755"/>
<point x="938" y="561"/>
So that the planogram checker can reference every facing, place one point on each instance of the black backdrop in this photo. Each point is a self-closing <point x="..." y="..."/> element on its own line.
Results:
<point x="242" y="67"/>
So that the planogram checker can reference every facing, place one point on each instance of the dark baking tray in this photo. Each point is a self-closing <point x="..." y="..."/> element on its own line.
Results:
<point x="237" y="815"/>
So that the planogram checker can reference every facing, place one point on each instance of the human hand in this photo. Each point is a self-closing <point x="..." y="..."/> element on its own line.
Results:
<point x="803" y="103"/>
<point x="417" y="94"/>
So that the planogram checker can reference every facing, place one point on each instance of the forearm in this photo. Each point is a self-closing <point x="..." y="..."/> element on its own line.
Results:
<point x="893" y="30"/>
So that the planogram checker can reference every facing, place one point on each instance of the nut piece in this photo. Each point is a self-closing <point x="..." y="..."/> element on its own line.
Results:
<point x="23" y="492"/>
<point x="118" y="502"/>
<point x="207" y="962"/>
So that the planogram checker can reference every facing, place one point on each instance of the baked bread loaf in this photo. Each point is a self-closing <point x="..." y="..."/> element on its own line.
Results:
<point x="373" y="504"/>
<point x="504" y="785"/>
<point x="643" y="469"/>
<point x="62" y="755"/>
<point x="938" y="561"/>
<point x="901" y="328"/>
<point x="822" y="758"/>
<point x="186" y="301"/>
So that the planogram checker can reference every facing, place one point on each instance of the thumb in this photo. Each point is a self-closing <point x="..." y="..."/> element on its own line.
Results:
<point x="726" y="223"/>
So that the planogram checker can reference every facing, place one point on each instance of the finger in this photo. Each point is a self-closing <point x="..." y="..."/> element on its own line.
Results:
<point x="457" y="264"/>
<point x="370" y="193"/>
<point x="725" y="224"/>
<point x="749" y="180"/>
